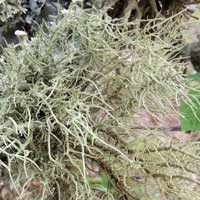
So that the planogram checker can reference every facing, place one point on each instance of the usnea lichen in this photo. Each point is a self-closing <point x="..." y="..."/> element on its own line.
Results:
<point x="10" y="10"/>
<point x="64" y="100"/>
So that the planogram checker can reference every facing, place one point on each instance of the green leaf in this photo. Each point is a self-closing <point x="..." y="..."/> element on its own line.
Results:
<point x="194" y="77"/>
<point x="190" y="119"/>
<point x="139" y="189"/>
<point x="99" y="183"/>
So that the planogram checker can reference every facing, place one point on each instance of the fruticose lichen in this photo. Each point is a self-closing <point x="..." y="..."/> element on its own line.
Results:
<point x="66" y="97"/>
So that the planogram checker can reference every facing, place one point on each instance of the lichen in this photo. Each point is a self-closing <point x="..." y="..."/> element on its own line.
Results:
<point x="64" y="101"/>
<point x="10" y="10"/>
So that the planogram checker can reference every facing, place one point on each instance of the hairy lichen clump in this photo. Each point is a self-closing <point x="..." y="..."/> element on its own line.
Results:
<point x="64" y="98"/>
<point x="10" y="10"/>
